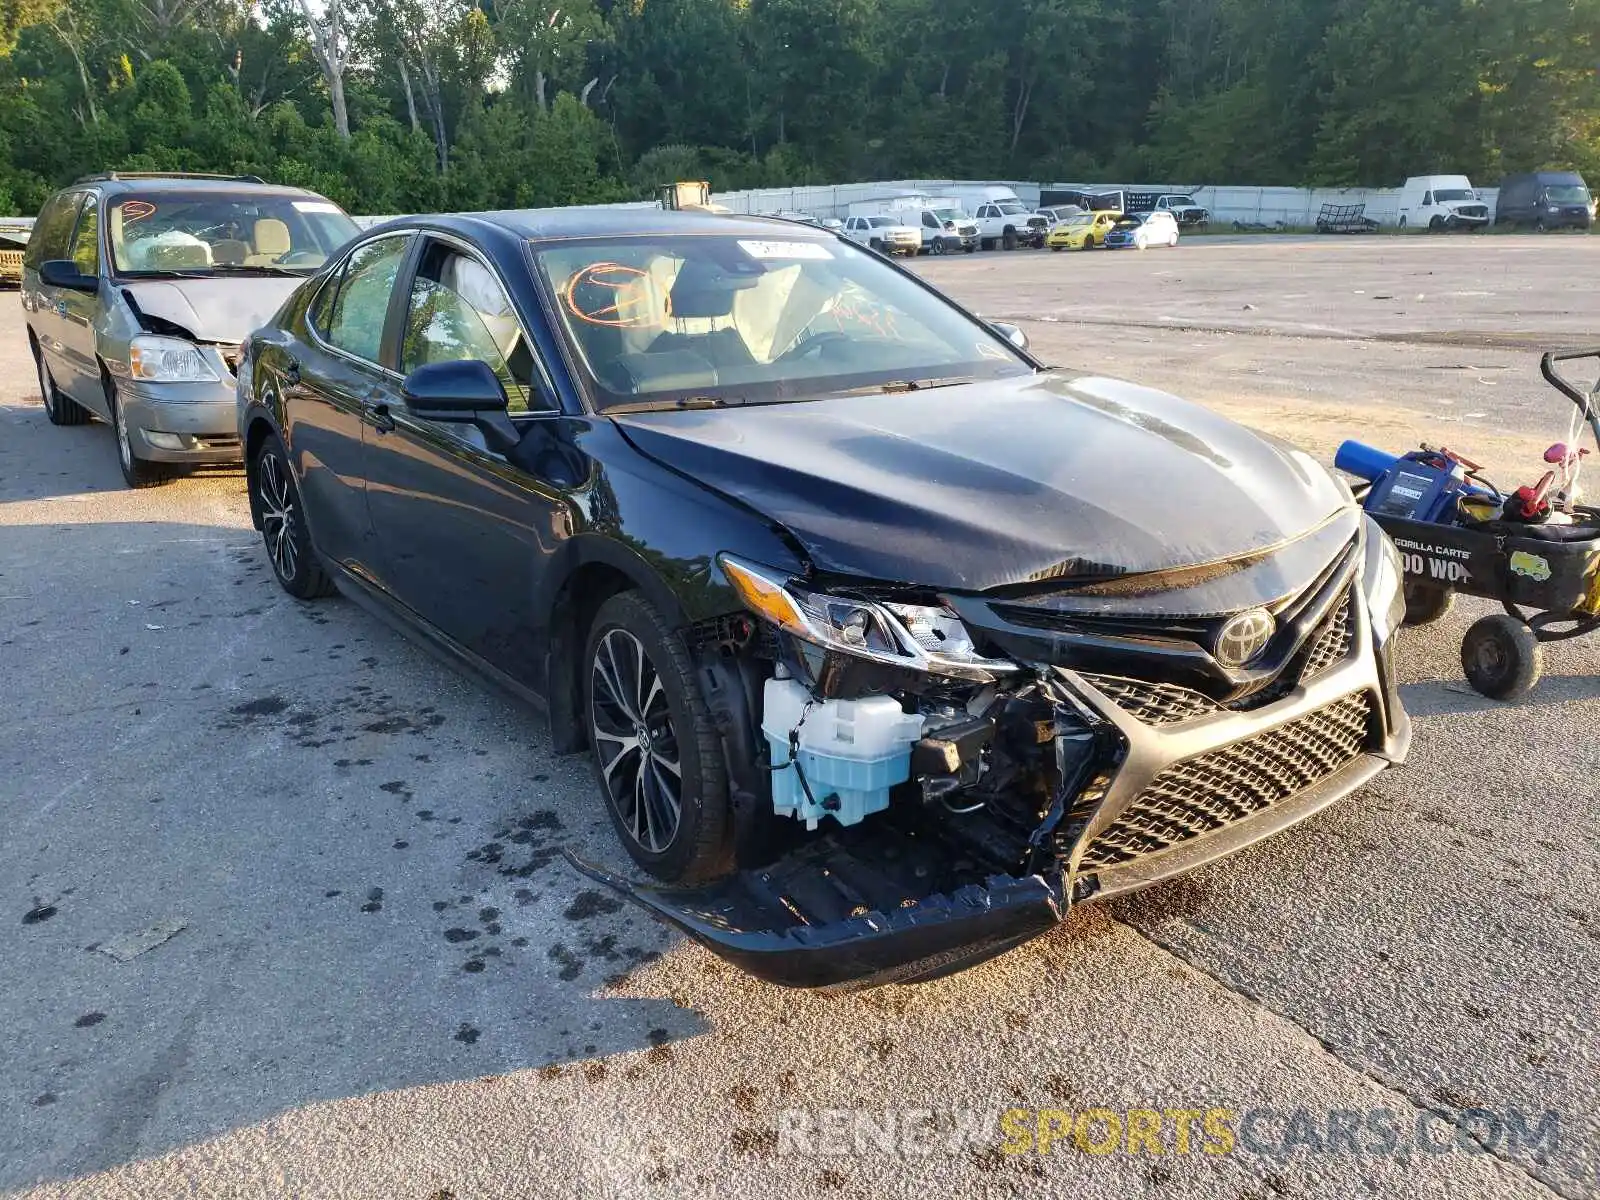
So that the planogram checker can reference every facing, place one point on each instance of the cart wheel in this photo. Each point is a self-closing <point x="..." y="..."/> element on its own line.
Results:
<point x="1501" y="657"/>
<point x="1426" y="603"/>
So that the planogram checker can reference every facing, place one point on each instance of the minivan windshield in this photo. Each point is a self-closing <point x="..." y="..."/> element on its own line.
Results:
<point x="1443" y="194"/>
<point x="720" y="319"/>
<point x="215" y="233"/>
<point x="1566" y="193"/>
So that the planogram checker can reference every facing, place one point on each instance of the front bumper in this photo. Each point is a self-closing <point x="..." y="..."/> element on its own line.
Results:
<point x="888" y="902"/>
<point x="182" y="422"/>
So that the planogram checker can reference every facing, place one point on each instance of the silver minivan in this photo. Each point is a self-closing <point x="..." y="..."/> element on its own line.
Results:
<point x="138" y="290"/>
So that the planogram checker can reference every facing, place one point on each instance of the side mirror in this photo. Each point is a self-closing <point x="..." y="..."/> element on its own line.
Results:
<point x="466" y="392"/>
<point x="64" y="273"/>
<point x="1011" y="333"/>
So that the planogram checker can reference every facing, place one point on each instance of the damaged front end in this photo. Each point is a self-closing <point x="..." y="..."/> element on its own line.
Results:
<point x="929" y="781"/>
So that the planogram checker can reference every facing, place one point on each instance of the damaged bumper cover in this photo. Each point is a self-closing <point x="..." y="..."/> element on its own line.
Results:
<point x="1186" y="780"/>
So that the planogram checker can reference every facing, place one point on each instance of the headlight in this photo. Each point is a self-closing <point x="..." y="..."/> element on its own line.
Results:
<point x="914" y="636"/>
<point x="167" y="360"/>
<point x="1383" y="583"/>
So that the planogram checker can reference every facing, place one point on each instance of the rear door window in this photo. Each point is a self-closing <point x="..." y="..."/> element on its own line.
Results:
<point x="355" y="319"/>
<point x="53" y="230"/>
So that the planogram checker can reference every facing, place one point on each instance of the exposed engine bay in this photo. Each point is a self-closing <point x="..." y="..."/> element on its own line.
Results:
<point x="924" y="781"/>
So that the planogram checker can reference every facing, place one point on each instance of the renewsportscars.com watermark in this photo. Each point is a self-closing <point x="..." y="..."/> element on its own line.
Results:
<point x="1273" y="1132"/>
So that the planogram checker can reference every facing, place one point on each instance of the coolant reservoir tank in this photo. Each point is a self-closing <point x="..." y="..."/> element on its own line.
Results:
<point x="849" y="752"/>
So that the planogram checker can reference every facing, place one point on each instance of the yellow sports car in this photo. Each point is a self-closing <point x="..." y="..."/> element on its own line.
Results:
<point x="1082" y="232"/>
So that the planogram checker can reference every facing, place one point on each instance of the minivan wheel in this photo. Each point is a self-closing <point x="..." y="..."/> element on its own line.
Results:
<point x="59" y="408"/>
<point x="283" y="526"/>
<point x="657" y="755"/>
<point x="137" y="472"/>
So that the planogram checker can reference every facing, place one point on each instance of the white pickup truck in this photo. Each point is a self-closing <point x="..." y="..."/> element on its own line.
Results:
<point x="1010" y="224"/>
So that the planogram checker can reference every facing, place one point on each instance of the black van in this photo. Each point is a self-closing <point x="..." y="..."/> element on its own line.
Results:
<point x="1545" y="200"/>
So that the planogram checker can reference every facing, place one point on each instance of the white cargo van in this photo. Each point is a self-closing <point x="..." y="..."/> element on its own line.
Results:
<point x="945" y="228"/>
<point x="1441" y="202"/>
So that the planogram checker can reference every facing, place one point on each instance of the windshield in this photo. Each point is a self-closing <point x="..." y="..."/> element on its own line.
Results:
<point x="1010" y="206"/>
<point x="950" y="214"/>
<point x="732" y="320"/>
<point x="1186" y="200"/>
<point x="1566" y="193"/>
<point x="880" y="222"/>
<point x="1081" y="219"/>
<point x="1454" y="194"/>
<point x="214" y="233"/>
<point x="1131" y="221"/>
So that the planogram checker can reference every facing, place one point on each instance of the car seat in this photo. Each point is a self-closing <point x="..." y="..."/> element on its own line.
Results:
<point x="703" y="294"/>
<point x="272" y="242"/>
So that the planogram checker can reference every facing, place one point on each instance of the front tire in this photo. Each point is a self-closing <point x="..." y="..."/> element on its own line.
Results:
<point x="60" y="409"/>
<point x="136" y="472"/>
<point x="657" y="755"/>
<point x="1501" y="657"/>
<point x="283" y="526"/>
<point x="1088" y="242"/>
<point x="1402" y="223"/>
<point x="1009" y="240"/>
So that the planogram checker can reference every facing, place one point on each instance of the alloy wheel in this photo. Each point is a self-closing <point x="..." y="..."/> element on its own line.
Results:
<point x="636" y="744"/>
<point x="278" y="516"/>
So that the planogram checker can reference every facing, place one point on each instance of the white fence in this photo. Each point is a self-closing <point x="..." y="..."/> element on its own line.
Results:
<point x="1227" y="204"/>
<point x="1247" y="205"/>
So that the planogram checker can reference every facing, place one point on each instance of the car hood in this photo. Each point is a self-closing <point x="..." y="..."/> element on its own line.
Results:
<point x="1050" y="476"/>
<point x="214" y="310"/>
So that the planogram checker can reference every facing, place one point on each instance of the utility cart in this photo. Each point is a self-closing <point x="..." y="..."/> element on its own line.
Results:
<point x="1536" y="549"/>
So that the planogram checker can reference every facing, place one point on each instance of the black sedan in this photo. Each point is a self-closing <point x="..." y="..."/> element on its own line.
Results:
<point x="889" y="645"/>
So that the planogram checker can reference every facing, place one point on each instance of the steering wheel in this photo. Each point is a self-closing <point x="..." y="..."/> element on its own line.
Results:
<point x="301" y="258"/>
<point x="813" y="343"/>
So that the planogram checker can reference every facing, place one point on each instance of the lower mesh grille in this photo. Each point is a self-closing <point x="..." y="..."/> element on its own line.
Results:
<point x="1208" y="792"/>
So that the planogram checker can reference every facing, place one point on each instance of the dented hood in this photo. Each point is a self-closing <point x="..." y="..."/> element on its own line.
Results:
<point x="965" y="488"/>
<point x="214" y="310"/>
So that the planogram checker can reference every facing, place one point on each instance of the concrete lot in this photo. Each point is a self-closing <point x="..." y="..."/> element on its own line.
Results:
<point x="384" y="984"/>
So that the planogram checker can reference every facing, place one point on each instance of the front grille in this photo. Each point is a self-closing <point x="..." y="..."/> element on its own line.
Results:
<point x="1154" y="703"/>
<point x="1332" y="645"/>
<point x="1206" y="793"/>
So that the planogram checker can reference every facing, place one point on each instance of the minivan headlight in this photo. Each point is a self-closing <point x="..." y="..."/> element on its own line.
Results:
<point x="1383" y="583"/>
<point x="167" y="360"/>
<point x="915" y="636"/>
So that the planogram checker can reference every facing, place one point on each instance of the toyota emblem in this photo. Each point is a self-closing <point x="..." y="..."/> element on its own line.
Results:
<point x="1244" y="636"/>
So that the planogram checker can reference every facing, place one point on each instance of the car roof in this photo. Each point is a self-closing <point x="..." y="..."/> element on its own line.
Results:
<point x="543" y="224"/>
<point x="110" y="185"/>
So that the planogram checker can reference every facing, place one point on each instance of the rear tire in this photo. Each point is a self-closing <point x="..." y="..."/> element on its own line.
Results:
<point x="1402" y="223"/>
<point x="283" y="526"/>
<point x="58" y="407"/>
<point x="1427" y="603"/>
<point x="657" y="755"/>
<point x="136" y="472"/>
<point x="1501" y="657"/>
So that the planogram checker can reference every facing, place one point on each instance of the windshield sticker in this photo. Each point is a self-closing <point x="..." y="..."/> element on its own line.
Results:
<point x="314" y="206"/>
<point x="813" y="250"/>
<point x="610" y="294"/>
<point x="136" y="210"/>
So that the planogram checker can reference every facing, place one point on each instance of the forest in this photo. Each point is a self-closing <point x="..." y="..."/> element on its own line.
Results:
<point x="410" y="105"/>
